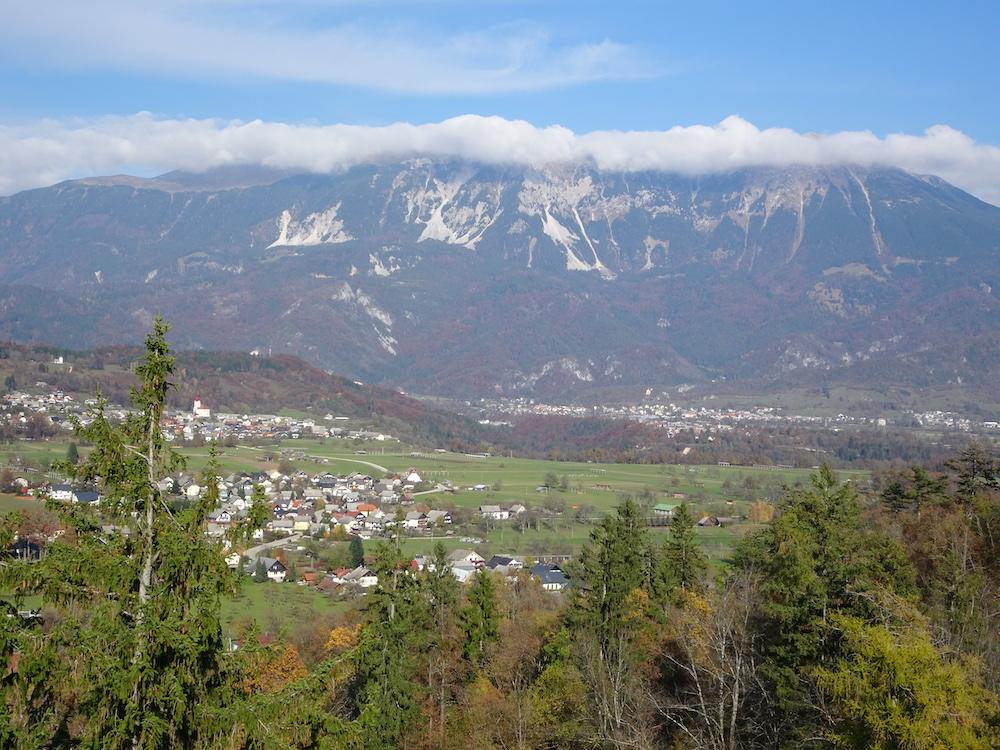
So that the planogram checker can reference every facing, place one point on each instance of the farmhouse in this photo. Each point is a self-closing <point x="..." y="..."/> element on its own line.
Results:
<point x="466" y="557"/>
<point x="550" y="576"/>
<point x="494" y="512"/>
<point x="362" y="577"/>
<point x="274" y="568"/>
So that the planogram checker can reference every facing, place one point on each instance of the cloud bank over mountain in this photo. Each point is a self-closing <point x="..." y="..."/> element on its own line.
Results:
<point x="42" y="153"/>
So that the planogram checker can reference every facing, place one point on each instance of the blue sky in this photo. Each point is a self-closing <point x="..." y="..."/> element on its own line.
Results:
<point x="809" y="67"/>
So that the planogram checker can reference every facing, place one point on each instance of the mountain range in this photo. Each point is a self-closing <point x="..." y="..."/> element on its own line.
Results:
<point x="462" y="279"/>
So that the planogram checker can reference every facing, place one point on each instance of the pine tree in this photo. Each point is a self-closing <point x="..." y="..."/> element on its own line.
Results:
<point x="260" y="572"/>
<point x="814" y="561"/>
<point x="685" y="563"/>
<point x="895" y="498"/>
<point x="385" y="661"/>
<point x="609" y="613"/>
<point x="442" y="595"/>
<point x="615" y="563"/>
<point x="977" y="469"/>
<point x="137" y="654"/>
<point x="72" y="454"/>
<point x="357" y="550"/>
<point x="480" y="618"/>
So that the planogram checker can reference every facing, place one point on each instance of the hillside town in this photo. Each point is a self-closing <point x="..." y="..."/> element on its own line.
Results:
<point x="322" y="507"/>
<point x="327" y="507"/>
<point x="20" y="409"/>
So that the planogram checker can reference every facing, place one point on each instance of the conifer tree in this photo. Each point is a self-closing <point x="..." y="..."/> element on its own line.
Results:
<point x="357" y="550"/>
<point x="814" y="561"/>
<point x="259" y="572"/>
<point x="608" y="613"/>
<point x="385" y="661"/>
<point x="442" y="661"/>
<point x="138" y="647"/>
<point x="480" y="618"/>
<point x="894" y="497"/>
<point x="684" y="563"/>
<point x="892" y="688"/>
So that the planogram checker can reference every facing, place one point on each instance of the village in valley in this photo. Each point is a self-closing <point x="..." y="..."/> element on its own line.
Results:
<point x="334" y="489"/>
<point x="308" y="513"/>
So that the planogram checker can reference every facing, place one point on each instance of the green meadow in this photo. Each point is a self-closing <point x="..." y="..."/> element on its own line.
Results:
<point x="516" y="480"/>
<point x="275" y="607"/>
<point x="584" y="493"/>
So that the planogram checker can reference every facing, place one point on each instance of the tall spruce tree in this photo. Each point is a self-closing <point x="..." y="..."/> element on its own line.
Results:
<point x="386" y="690"/>
<point x="442" y="595"/>
<point x="814" y="561"/>
<point x="480" y="618"/>
<point x="259" y="572"/>
<point x="683" y="564"/>
<point x="608" y="614"/>
<point x="139" y="639"/>
<point x="357" y="550"/>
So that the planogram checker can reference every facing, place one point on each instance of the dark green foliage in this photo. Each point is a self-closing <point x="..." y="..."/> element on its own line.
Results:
<point x="895" y="498"/>
<point x="615" y="563"/>
<point x="814" y="560"/>
<point x="480" y="619"/>
<point x="441" y="586"/>
<point x="608" y="614"/>
<point x="72" y="454"/>
<point x="682" y="564"/>
<point x="977" y="469"/>
<point x="913" y="490"/>
<point x="385" y="689"/>
<point x="357" y="551"/>
<point x="138" y="641"/>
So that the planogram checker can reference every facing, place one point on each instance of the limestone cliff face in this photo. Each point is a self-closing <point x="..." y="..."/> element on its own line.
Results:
<point x="467" y="279"/>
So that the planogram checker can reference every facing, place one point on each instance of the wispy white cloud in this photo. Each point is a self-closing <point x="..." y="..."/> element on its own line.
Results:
<point x="45" y="152"/>
<point x="286" y="41"/>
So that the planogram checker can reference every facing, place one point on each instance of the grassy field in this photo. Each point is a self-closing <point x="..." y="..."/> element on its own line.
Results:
<point x="565" y="539"/>
<point x="508" y="480"/>
<point x="37" y="454"/>
<point x="13" y="502"/>
<point x="275" y="606"/>
<point x="593" y="489"/>
<point x="511" y="480"/>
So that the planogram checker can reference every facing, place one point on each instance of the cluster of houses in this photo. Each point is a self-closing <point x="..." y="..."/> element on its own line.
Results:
<point x="463" y="565"/>
<point x="200" y="422"/>
<point x="318" y="504"/>
<point x="51" y="407"/>
<point x="184" y="425"/>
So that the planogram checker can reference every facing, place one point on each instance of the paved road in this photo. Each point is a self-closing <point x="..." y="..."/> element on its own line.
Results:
<point x="330" y="458"/>
<point x="439" y="488"/>
<point x="354" y="461"/>
<point x="254" y="552"/>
